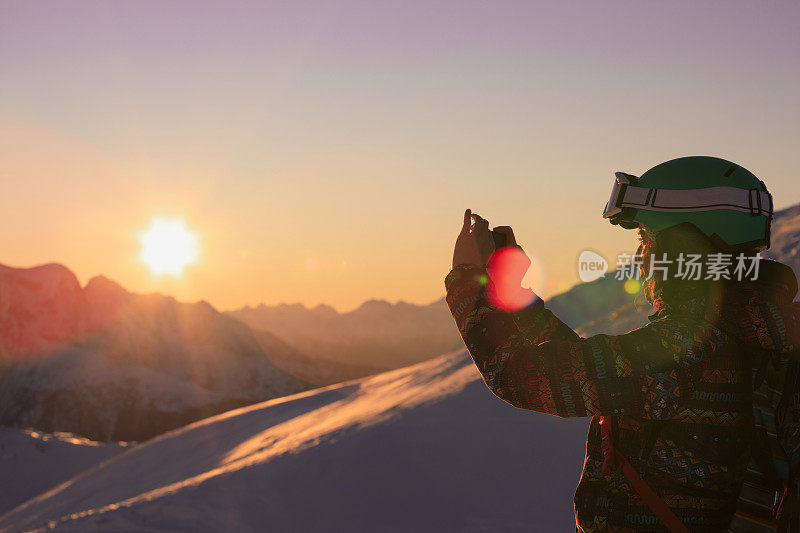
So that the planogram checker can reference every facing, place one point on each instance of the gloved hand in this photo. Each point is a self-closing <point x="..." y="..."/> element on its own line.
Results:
<point x="506" y="267"/>
<point x="474" y="244"/>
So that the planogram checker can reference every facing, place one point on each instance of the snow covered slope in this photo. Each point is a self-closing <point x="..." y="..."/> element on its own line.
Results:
<point x="32" y="462"/>
<point x="785" y="237"/>
<point x="423" y="448"/>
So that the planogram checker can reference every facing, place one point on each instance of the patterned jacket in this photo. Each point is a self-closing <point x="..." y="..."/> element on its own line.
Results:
<point x="678" y="390"/>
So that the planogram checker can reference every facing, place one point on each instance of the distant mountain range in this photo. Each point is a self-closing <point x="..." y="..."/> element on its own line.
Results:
<point x="377" y="334"/>
<point x="111" y="365"/>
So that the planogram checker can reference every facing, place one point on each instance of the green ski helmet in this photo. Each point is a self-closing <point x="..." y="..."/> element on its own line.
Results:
<point x="725" y="201"/>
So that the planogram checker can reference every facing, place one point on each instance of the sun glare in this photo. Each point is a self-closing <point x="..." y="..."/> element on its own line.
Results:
<point x="167" y="247"/>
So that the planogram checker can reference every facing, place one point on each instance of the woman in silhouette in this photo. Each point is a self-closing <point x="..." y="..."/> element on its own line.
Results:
<point x="696" y="415"/>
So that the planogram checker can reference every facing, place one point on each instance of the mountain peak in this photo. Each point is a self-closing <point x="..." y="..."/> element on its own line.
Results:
<point x="325" y="309"/>
<point x="294" y="306"/>
<point x="103" y="284"/>
<point x="43" y="307"/>
<point x="47" y="273"/>
<point x="375" y="305"/>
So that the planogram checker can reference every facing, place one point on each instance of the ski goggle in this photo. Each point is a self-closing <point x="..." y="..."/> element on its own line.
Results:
<point x="627" y="195"/>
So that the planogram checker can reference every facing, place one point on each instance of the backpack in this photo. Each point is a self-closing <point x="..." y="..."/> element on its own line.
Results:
<point x="769" y="500"/>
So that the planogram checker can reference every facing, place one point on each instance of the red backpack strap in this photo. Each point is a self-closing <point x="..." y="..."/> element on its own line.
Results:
<point x="613" y="461"/>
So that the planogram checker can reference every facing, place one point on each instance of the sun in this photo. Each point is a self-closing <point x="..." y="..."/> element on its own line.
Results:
<point x="167" y="247"/>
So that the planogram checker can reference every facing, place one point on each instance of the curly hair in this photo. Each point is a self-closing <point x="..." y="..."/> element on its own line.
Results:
<point x="668" y="245"/>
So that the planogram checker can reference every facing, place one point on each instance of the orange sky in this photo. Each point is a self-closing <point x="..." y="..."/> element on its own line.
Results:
<point x="331" y="161"/>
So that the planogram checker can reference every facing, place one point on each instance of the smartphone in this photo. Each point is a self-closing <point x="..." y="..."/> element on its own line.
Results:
<point x="500" y="240"/>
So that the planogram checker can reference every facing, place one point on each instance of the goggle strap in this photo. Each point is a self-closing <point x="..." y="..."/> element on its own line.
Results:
<point x="751" y="201"/>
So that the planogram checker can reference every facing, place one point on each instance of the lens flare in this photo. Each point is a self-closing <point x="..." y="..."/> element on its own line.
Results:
<point x="507" y="268"/>
<point x="632" y="286"/>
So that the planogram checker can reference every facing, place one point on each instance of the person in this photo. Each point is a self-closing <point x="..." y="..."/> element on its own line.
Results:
<point x="695" y="415"/>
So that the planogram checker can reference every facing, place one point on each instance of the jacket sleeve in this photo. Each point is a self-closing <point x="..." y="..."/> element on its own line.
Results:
<point x="532" y="360"/>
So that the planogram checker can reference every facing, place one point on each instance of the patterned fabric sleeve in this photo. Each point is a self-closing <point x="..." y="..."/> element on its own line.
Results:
<point x="533" y="360"/>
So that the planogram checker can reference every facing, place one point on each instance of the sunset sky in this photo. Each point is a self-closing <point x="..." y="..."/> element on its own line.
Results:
<point x="324" y="152"/>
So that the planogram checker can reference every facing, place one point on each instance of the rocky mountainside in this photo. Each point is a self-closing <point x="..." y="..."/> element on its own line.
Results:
<point x="40" y="308"/>
<point x="111" y="365"/>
